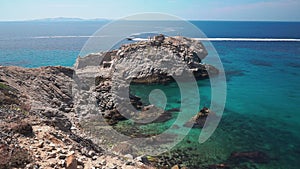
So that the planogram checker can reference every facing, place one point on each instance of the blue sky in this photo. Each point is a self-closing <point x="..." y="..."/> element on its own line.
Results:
<point x="271" y="10"/>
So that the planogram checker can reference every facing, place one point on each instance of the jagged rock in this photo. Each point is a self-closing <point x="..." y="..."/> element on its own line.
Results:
<point x="158" y="60"/>
<point x="45" y="87"/>
<point x="170" y="57"/>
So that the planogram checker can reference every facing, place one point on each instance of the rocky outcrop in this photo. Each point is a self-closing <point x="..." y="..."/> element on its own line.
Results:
<point x="157" y="60"/>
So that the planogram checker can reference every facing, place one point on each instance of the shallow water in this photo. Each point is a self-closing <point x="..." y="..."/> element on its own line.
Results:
<point x="261" y="114"/>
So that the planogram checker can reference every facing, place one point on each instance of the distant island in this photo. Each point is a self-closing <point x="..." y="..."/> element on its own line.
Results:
<point x="66" y="19"/>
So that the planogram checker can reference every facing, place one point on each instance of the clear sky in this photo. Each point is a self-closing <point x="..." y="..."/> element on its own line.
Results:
<point x="279" y="10"/>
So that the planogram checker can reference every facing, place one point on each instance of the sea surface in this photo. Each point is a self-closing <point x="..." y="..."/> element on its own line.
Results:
<point x="262" y="110"/>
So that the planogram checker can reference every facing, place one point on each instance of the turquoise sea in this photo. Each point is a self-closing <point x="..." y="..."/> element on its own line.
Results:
<point x="262" y="110"/>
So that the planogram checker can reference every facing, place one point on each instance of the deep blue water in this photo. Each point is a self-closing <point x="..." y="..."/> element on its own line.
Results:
<point x="263" y="91"/>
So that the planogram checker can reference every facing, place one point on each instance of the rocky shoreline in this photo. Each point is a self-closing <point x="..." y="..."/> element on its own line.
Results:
<point x="40" y="123"/>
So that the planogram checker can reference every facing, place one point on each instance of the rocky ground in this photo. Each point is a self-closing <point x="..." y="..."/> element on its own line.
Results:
<point x="38" y="125"/>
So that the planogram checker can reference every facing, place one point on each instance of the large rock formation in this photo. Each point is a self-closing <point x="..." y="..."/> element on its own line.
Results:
<point x="156" y="60"/>
<point x="159" y="59"/>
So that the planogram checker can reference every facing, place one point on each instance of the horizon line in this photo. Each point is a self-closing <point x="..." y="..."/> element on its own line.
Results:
<point x="74" y="19"/>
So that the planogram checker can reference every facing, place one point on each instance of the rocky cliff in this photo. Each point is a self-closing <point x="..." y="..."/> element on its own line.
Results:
<point x="39" y="127"/>
<point x="156" y="60"/>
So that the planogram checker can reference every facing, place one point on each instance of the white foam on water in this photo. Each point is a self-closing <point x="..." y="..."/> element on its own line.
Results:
<point x="249" y="39"/>
<point x="56" y="37"/>
<point x="238" y="39"/>
<point x="202" y="39"/>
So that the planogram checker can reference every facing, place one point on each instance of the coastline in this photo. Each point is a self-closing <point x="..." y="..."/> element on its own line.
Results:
<point x="40" y="99"/>
<point x="269" y="134"/>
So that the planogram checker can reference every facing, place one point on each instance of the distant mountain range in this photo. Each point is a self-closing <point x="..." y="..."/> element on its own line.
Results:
<point x="64" y="19"/>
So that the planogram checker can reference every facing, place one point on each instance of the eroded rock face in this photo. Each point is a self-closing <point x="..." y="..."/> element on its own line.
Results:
<point x="41" y="87"/>
<point x="157" y="60"/>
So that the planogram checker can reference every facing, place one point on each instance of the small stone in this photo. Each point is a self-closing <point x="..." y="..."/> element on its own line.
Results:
<point x="82" y="158"/>
<point x="175" y="167"/>
<point x="62" y="156"/>
<point x="129" y="163"/>
<point x="142" y="159"/>
<point x="52" y="145"/>
<point x="40" y="144"/>
<point x="94" y="157"/>
<point x="52" y="165"/>
<point x="80" y="161"/>
<point x="51" y="155"/>
<point x="80" y="167"/>
<point x="71" y="153"/>
<point x="71" y="162"/>
<point x="91" y="153"/>
<point x="112" y="166"/>
<point x="102" y="162"/>
<point x="29" y="166"/>
<point x="62" y="163"/>
<point x="73" y="128"/>
<point x="129" y="156"/>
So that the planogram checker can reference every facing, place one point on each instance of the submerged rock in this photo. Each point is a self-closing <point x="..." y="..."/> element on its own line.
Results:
<point x="218" y="166"/>
<point x="199" y="119"/>
<point x="252" y="156"/>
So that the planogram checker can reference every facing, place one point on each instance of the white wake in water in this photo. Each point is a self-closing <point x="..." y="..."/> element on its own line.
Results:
<point x="237" y="39"/>
<point x="56" y="37"/>
<point x="202" y="39"/>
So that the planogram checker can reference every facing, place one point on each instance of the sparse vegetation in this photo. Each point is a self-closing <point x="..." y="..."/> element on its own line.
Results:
<point x="4" y="86"/>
